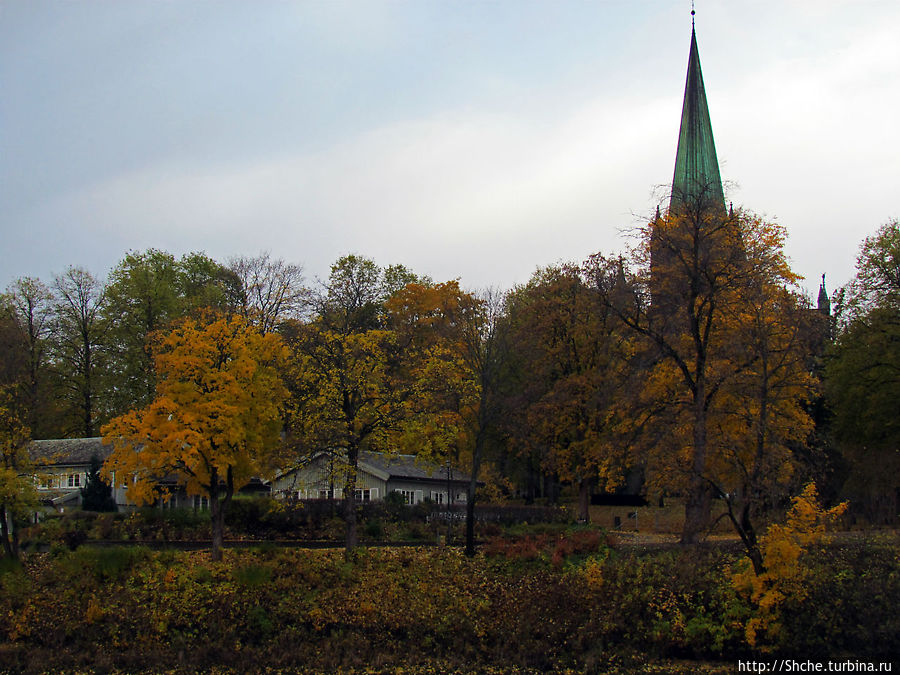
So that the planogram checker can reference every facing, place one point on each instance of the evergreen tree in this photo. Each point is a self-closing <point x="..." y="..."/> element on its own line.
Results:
<point x="97" y="495"/>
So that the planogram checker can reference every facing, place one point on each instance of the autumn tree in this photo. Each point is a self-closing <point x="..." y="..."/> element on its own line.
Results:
<point x="145" y="293"/>
<point x="455" y="347"/>
<point x="426" y="319"/>
<point x="344" y="391"/>
<point x="215" y="421"/>
<point x="484" y="354"/>
<point x="28" y="312"/>
<point x="863" y="373"/>
<point x="351" y="379"/>
<point x="17" y="480"/>
<point x="78" y="349"/>
<point x="762" y="414"/>
<point x="572" y="367"/>
<point x="695" y="277"/>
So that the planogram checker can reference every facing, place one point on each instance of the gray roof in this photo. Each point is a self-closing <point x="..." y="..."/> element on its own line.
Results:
<point x="409" y="467"/>
<point x="68" y="450"/>
<point x="398" y="467"/>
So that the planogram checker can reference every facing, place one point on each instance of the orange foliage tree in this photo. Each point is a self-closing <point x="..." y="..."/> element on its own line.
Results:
<point x="215" y="421"/>
<point x="724" y="363"/>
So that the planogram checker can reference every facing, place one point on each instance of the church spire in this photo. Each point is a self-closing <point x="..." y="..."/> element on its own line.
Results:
<point x="824" y="304"/>
<point x="696" y="167"/>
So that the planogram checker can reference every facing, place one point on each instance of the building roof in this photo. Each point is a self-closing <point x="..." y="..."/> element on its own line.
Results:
<point x="696" y="166"/>
<point x="407" y="467"/>
<point x="68" y="450"/>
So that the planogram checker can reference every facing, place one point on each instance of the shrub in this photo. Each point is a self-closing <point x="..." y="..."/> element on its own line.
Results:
<point x="786" y="575"/>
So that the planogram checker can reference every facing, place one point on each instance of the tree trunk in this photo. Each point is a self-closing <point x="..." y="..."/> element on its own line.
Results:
<point x="217" y="516"/>
<point x="8" y="548"/>
<point x="747" y="533"/>
<point x="584" y="500"/>
<point x="218" y="526"/>
<point x="697" y="506"/>
<point x="470" y="501"/>
<point x="750" y="542"/>
<point x="351" y="538"/>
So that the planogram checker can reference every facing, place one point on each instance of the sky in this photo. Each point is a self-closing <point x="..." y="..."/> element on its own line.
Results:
<point x="477" y="140"/>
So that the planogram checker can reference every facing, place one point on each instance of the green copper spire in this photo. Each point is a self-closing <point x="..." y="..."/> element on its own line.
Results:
<point x="696" y="167"/>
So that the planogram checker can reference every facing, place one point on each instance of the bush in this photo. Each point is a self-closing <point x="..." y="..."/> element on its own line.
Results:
<point x="553" y="602"/>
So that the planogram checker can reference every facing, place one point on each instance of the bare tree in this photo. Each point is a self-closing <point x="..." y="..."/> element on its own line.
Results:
<point x="271" y="290"/>
<point x="77" y="346"/>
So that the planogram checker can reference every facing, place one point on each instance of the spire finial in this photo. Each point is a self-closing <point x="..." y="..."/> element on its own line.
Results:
<point x="692" y="13"/>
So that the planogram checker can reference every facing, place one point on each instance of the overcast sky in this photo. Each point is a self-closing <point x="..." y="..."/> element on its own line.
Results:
<point x="477" y="140"/>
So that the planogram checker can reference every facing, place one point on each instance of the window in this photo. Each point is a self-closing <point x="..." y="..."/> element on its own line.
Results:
<point x="409" y="497"/>
<point x="73" y="480"/>
<point x="201" y="503"/>
<point x="326" y="494"/>
<point x="363" y="495"/>
<point x="438" y="497"/>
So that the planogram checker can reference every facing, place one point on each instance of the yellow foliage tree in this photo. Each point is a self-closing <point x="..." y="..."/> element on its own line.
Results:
<point x="17" y="490"/>
<point x="426" y="319"/>
<point x="784" y="575"/>
<point x="572" y="367"/>
<point x="215" y="421"/>
<point x="377" y="377"/>
<point x="725" y="349"/>
<point x="344" y="399"/>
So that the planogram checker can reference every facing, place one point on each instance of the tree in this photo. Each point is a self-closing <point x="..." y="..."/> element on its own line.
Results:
<point x="484" y="355"/>
<point x="215" y="421"/>
<point x="345" y="398"/>
<point x="344" y="391"/>
<point x="455" y="351"/>
<point x="17" y="491"/>
<point x="78" y="335"/>
<point x="862" y="373"/>
<point x="358" y="373"/>
<point x="96" y="495"/>
<point x="571" y="373"/>
<point x="877" y="280"/>
<point x="271" y="290"/>
<point x="28" y="303"/>
<point x="698" y="273"/>
<point x="204" y="284"/>
<point x="146" y="292"/>
<point x="762" y="415"/>
<point x="426" y="320"/>
<point x="141" y="298"/>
